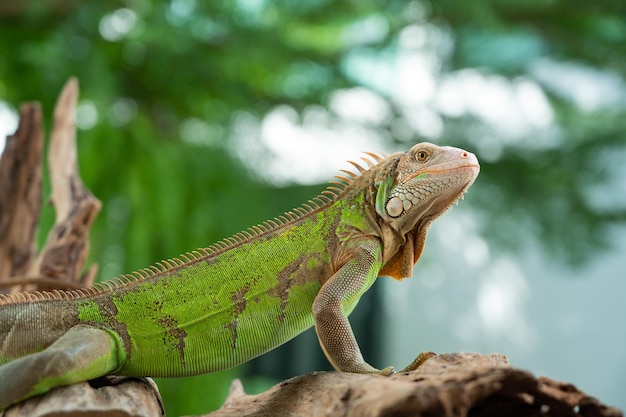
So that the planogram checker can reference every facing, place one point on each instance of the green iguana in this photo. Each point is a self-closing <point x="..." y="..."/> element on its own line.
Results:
<point x="218" y="307"/>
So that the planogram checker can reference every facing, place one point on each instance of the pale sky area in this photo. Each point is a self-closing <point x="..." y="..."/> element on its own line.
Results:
<point x="477" y="300"/>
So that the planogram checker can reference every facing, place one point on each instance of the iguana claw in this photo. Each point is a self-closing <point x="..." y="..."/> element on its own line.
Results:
<point x="387" y="371"/>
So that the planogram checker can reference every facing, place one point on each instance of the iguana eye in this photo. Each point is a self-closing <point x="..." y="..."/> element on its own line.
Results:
<point x="422" y="155"/>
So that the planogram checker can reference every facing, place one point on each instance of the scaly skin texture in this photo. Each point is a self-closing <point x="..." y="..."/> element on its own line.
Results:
<point x="221" y="306"/>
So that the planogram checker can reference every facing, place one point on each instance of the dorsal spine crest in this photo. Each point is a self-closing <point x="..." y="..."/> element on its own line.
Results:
<point x="334" y="191"/>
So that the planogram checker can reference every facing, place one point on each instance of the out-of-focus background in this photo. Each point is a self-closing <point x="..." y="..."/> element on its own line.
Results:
<point x="198" y="119"/>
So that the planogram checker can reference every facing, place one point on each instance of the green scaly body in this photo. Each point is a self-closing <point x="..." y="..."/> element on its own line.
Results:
<point x="205" y="316"/>
<point x="218" y="307"/>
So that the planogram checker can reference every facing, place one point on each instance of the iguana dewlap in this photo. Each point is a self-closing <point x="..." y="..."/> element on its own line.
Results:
<point x="217" y="307"/>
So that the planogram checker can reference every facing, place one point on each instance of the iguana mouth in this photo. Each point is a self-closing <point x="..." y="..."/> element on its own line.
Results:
<point x="451" y="166"/>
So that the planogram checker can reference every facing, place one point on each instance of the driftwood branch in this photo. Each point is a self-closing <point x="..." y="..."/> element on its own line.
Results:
<point x="20" y="193"/>
<point x="64" y="254"/>
<point x="113" y="396"/>
<point x="448" y="385"/>
<point x="67" y="247"/>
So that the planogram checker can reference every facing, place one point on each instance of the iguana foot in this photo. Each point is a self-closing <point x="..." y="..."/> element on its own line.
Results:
<point x="419" y="361"/>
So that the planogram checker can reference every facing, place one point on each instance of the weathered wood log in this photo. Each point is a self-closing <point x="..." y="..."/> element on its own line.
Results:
<point x="113" y="396"/>
<point x="447" y="385"/>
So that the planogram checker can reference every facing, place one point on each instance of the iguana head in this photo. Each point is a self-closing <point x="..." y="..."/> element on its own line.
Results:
<point x="428" y="179"/>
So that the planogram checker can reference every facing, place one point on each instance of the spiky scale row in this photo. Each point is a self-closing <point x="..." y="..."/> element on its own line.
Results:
<point x="352" y="175"/>
<point x="377" y="157"/>
<point x="328" y="196"/>
<point x="357" y="166"/>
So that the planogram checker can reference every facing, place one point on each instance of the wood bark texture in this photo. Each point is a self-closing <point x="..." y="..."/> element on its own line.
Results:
<point x="447" y="385"/>
<point x="110" y="397"/>
<point x="20" y="193"/>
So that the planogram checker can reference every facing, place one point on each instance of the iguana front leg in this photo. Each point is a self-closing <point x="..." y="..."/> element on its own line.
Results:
<point x="336" y="299"/>
<point x="81" y="354"/>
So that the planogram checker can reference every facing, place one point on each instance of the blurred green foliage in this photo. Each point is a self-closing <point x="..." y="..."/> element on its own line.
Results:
<point x="155" y="73"/>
